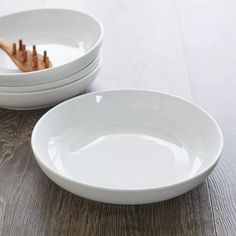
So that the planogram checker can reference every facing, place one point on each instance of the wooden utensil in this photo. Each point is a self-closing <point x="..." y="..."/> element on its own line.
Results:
<point x="26" y="60"/>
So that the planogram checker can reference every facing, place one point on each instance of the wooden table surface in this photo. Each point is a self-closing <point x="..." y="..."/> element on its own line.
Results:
<point x="184" y="47"/>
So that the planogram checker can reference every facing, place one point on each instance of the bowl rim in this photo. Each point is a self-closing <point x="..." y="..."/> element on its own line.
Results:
<point x="144" y="189"/>
<point x="81" y="79"/>
<point x="98" y="41"/>
<point x="96" y="62"/>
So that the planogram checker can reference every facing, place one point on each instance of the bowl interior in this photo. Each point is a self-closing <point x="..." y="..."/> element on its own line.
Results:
<point x="127" y="140"/>
<point x="65" y="34"/>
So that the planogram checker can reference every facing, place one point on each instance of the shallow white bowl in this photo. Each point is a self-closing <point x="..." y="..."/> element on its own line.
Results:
<point x="72" y="39"/>
<point x="62" y="82"/>
<point x="127" y="146"/>
<point x="49" y="97"/>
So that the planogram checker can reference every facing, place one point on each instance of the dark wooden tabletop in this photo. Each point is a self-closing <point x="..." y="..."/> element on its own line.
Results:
<point x="184" y="47"/>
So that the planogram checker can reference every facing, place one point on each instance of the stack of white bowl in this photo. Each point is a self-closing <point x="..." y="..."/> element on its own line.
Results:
<point x="72" y="39"/>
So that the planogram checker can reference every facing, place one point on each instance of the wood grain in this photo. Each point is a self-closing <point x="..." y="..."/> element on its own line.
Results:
<point x="150" y="45"/>
<point x="209" y="34"/>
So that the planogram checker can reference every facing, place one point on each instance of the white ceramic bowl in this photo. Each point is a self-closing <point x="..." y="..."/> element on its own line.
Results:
<point x="49" y="97"/>
<point x="72" y="39"/>
<point x="127" y="146"/>
<point x="62" y="82"/>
